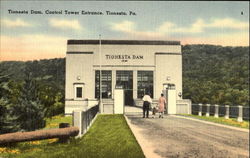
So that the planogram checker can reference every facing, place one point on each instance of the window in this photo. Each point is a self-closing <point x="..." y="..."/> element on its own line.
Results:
<point x="106" y="84"/>
<point x="124" y="79"/>
<point x="78" y="92"/>
<point x="145" y="83"/>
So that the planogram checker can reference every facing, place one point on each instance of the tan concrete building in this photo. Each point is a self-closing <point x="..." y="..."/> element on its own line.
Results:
<point x="136" y="66"/>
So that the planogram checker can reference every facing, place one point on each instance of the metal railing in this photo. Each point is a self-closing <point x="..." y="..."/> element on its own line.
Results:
<point x="239" y="112"/>
<point x="88" y="116"/>
<point x="84" y="118"/>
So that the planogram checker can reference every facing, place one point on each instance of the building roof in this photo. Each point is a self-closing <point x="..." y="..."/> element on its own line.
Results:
<point x="123" y="42"/>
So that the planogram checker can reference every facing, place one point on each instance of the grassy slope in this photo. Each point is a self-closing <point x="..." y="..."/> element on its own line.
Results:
<point x="34" y="146"/>
<point x="222" y="120"/>
<point x="109" y="137"/>
<point x="54" y="121"/>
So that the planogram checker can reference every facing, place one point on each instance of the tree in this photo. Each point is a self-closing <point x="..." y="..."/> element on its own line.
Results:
<point x="20" y="107"/>
<point x="8" y="122"/>
<point x="29" y="109"/>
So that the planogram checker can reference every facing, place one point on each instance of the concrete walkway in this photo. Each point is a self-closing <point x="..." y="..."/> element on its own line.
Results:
<point x="132" y="110"/>
<point x="180" y="137"/>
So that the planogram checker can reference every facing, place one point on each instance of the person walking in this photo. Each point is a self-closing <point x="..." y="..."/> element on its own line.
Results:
<point x="162" y="101"/>
<point x="146" y="103"/>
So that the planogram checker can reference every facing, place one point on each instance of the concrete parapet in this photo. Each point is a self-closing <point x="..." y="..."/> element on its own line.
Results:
<point x="208" y="110"/>
<point x="216" y="113"/>
<point x="183" y="106"/>
<point x="200" y="109"/>
<point x="77" y="121"/>
<point x="240" y="115"/>
<point x="227" y="112"/>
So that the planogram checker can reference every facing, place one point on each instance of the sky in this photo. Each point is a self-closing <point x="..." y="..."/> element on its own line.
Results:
<point x="42" y="36"/>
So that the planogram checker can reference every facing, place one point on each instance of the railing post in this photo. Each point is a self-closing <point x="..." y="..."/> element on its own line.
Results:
<point x="216" y="108"/>
<point x="208" y="110"/>
<point x="85" y="119"/>
<point x="200" y="109"/>
<point x="189" y="106"/>
<point x="77" y="121"/>
<point x="227" y="112"/>
<point x="239" y="119"/>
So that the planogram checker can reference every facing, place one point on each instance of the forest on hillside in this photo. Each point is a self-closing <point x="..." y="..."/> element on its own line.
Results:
<point x="30" y="92"/>
<point x="216" y="74"/>
<point x="33" y="90"/>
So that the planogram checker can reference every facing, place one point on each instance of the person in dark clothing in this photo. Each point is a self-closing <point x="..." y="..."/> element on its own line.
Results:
<point x="146" y="103"/>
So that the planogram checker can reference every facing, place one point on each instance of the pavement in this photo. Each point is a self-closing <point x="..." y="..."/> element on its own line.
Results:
<point x="181" y="137"/>
<point x="132" y="110"/>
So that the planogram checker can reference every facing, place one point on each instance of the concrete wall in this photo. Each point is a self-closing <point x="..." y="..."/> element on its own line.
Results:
<point x="148" y="52"/>
<point x="184" y="106"/>
<point x="79" y="65"/>
<point x="79" y="71"/>
<point x="168" y="65"/>
<point x="71" y="105"/>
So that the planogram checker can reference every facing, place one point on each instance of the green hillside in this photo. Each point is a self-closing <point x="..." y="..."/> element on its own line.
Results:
<point x="216" y="74"/>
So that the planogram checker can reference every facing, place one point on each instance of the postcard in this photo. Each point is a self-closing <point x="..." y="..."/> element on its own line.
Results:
<point x="135" y="78"/>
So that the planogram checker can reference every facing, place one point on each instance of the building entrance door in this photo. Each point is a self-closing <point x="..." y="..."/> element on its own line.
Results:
<point x="124" y="79"/>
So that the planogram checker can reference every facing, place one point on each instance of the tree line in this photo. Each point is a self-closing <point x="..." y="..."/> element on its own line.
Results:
<point x="216" y="75"/>
<point x="34" y="90"/>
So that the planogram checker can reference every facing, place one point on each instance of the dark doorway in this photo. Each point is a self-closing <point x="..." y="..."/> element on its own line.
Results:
<point x="125" y="80"/>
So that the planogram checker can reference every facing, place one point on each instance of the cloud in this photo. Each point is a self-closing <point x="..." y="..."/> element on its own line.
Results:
<point x="166" y="28"/>
<point x="15" y="23"/>
<point x="200" y="26"/>
<point x="228" y="23"/>
<point x="129" y="27"/>
<point x="169" y="28"/>
<point x="171" y="31"/>
<point x="125" y="26"/>
<point x="65" y="24"/>
<point x="31" y="47"/>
